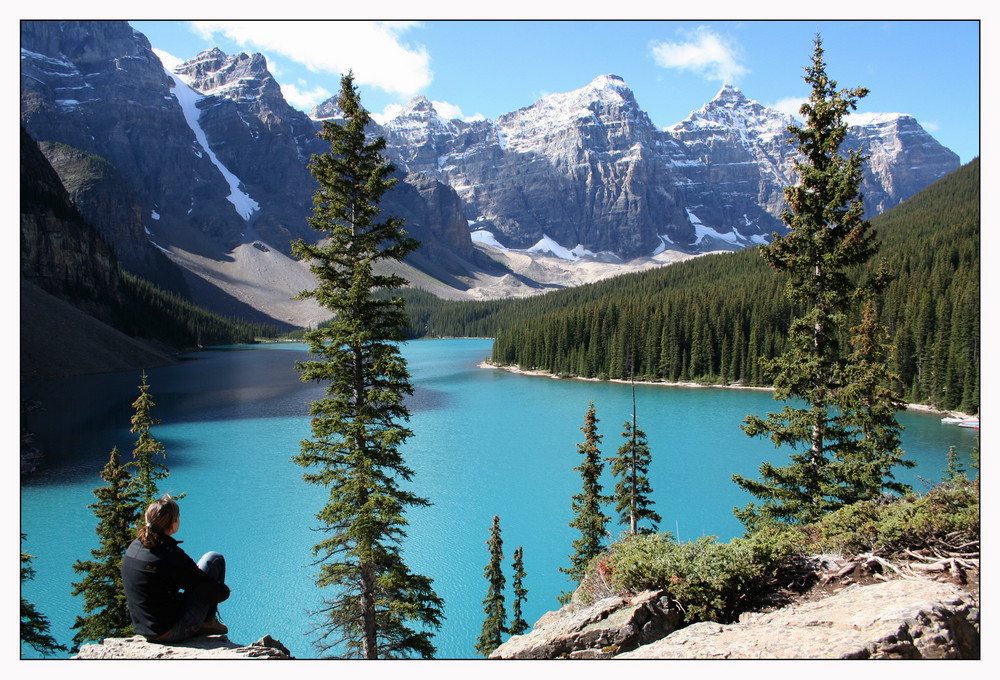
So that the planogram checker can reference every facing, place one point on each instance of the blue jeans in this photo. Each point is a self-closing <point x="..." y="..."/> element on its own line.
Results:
<point x="197" y="611"/>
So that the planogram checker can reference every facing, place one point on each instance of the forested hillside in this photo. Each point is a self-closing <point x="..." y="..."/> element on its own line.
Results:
<point x="711" y="319"/>
<point x="153" y="313"/>
<point x="65" y="257"/>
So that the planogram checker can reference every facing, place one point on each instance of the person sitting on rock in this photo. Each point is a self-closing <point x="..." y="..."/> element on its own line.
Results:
<point x="155" y="571"/>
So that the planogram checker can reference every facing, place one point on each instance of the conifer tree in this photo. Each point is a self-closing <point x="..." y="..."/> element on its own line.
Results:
<point x="631" y="467"/>
<point x="633" y="490"/>
<point x="35" y="626"/>
<point x="494" y="625"/>
<point x="518" y="625"/>
<point x="148" y="450"/>
<point x="117" y="510"/>
<point x="828" y="238"/>
<point x="589" y="520"/>
<point x="955" y="471"/>
<point x="975" y="459"/>
<point x="359" y="426"/>
<point x="868" y="403"/>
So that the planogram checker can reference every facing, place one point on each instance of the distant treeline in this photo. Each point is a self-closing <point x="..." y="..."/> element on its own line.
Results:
<point x="712" y="318"/>
<point x="147" y="311"/>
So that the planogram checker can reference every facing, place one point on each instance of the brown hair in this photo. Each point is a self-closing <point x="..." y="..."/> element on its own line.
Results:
<point x="160" y="516"/>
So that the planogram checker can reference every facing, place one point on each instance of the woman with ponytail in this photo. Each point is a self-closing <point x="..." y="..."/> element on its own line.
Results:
<point x="155" y="571"/>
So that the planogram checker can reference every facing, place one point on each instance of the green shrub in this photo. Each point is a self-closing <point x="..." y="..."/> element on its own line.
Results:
<point x="912" y="522"/>
<point x="712" y="581"/>
<point x="709" y="581"/>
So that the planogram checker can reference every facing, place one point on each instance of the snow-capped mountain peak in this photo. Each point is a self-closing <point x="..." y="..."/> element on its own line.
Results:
<point x="585" y="167"/>
<point x="731" y="113"/>
<point x="419" y="112"/>
<point x="729" y="95"/>
<point x="603" y="107"/>
<point x="610" y="87"/>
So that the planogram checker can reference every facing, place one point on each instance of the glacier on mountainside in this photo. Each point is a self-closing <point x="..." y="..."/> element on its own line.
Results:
<point x="188" y="99"/>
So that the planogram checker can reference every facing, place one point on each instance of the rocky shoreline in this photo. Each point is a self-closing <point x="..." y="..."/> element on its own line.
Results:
<point x="664" y="383"/>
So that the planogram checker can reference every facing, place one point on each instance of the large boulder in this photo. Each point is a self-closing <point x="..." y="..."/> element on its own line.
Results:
<point x="599" y="630"/>
<point x="903" y="619"/>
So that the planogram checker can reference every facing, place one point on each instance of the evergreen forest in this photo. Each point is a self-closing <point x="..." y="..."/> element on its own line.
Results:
<point x="146" y="310"/>
<point x="713" y="318"/>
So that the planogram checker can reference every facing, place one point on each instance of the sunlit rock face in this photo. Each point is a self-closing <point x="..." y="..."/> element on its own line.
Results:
<point x="588" y="168"/>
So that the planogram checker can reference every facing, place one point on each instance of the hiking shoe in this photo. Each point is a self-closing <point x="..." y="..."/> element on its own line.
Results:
<point x="213" y="627"/>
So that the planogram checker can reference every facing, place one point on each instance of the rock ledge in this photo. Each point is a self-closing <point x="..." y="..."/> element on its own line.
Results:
<point x="900" y="619"/>
<point x="206" y="647"/>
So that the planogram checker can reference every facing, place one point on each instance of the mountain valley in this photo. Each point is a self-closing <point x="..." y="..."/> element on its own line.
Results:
<point x="198" y="178"/>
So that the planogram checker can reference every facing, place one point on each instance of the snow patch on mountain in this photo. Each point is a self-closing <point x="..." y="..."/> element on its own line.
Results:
<point x="544" y="246"/>
<point x="665" y="242"/>
<point x="188" y="99"/>
<point x="548" y="245"/>
<point x="69" y="85"/>
<point x="703" y="231"/>
<point x="487" y="239"/>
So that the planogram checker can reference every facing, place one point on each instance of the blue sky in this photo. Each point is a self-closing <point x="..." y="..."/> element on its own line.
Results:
<point x="929" y="69"/>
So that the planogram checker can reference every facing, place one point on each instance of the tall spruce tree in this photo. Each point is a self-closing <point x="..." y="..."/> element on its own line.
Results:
<point x="148" y="451"/>
<point x="828" y="239"/>
<point x="518" y="625"/>
<point x="494" y="625"/>
<point x="633" y="490"/>
<point x="358" y="427"/>
<point x="35" y="626"/>
<point x="631" y="467"/>
<point x="105" y="607"/>
<point x="588" y="519"/>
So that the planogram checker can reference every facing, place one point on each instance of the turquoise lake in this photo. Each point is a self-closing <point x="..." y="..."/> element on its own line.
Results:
<point x="485" y="443"/>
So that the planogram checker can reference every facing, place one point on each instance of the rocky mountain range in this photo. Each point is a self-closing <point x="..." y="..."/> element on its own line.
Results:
<point x="588" y="168"/>
<point x="207" y="165"/>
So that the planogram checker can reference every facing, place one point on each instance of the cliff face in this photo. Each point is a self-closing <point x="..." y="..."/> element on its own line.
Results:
<point x="60" y="252"/>
<point x="199" y="163"/>
<point x="97" y="87"/>
<point x="196" y="165"/>
<point x="589" y="168"/>
<point x="898" y="154"/>
<point x="69" y="284"/>
<point x="108" y="203"/>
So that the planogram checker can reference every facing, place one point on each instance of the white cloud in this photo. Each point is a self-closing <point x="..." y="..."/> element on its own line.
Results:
<point x="451" y="111"/>
<point x="390" y="112"/>
<point x="790" y="106"/>
<point x="169" y="60"/>
<point x="303" y="99"/>
<point x="705" y="52"/>
<point x="374" y="50"/>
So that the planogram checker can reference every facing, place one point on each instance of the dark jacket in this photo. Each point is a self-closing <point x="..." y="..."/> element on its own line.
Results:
<point x="154" y="579"/>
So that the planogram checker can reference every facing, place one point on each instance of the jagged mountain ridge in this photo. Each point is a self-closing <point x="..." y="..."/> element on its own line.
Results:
<point x="216" y="173"/>
<point x="589" y="168"/>
<point x="214" y="162"/>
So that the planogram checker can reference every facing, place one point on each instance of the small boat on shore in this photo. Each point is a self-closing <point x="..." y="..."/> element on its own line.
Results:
<point x="951" y="420"/>
<point x="974" y="424"/>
